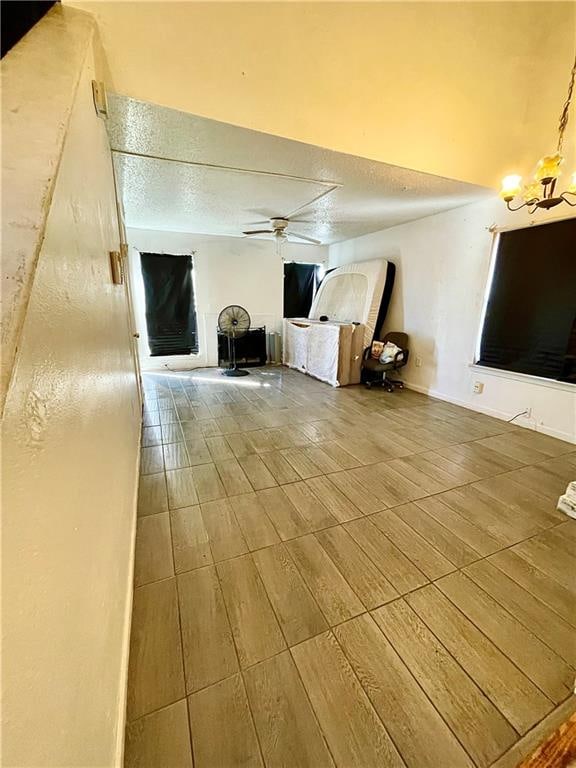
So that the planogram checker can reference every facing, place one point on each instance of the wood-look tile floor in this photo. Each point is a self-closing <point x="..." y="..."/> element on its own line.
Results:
<point x="345" y="577"/>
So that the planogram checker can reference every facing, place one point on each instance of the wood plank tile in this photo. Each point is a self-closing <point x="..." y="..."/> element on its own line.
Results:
<point x="171" y="433"/>
<point x="309" y="506"/>
<point x="344" y="459"/>
<point x="417" y="550"/>
<point x="181" y="488"/>
<point x="161" y="738"/>
<point x="438" y="536"/>
<point x="421" y="735"/>
<point x="359" y="494"/>
<point x="479" y="459"/>
<point x="240" y="445"/>
<point x="256" y="472"/>
<point x="523" y="500"/>
<point x="153" y="555"/>
<point x="215" y="745"/>
<point x="499" y="520"/>
<point x="302" y="463"/>
<point x="209" y="653"/>
<point x="370" y="584"/>
<point x="151" y="436"/>
<point x="198" y="452"/>
<point x="322" y="459"/>
<point x="476" y="722"/>
<point x="364" y="450"/>
<point x="254" y="626"/>
<point x="207" y="483"/>
<point x="224" y="534"/>
<point x="151" y="460"/>
<point x="175" y="456"/>
<point x="332" y="592"/>
<point x="339" y="506"/>
<point x="279" y="468"/>
<point x="219" y="448"/>
<point x="410" y="468"/>
<point x="516" y="697"/>
<point x="453" y="469"/>
<point x="152" y="494"/>
<point x="550" y="560"/>
<point x="399" y="570"/>
<point x="509" y="446"/>
<point x="297" y="611"/>
<point x="252" y="518"/>
<point x="287" y="728"/>
<point x="190" y="542"/>
<point x="233" y="478"/>
<point x="526" y="608"/>
<point x="155" y="675"/>
<point x="355" y="734"/>
<point x="288" y="522"/>
<point x="474" y="536"/>
<point x="389" y="486"/>
<point x="537" y="583"/>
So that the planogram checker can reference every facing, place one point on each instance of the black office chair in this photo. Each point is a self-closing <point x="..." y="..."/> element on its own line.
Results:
<point x="375" y="372"/>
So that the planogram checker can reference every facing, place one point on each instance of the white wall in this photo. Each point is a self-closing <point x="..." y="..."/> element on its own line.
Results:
<point x="38" y="90"/>
<point x="227" y="270"/>
<point x="465" y="90"/>
<point x="442" y="269"/>
<point x="70" y="452"/>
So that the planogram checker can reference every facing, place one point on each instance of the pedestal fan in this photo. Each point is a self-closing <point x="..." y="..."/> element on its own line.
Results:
<point x="233" y="322"/>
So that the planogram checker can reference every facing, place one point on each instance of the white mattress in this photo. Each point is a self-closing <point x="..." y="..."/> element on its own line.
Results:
<point x="352" y="294"/>
<point x="331" y="352"/>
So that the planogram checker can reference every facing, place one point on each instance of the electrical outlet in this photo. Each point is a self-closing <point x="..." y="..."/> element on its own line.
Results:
<point x="478" y="387"/>
<point x="528" y="413"/>
<point x="418" y="361"/>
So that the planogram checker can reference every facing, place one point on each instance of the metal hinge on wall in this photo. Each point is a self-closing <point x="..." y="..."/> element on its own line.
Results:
<point x="100" y="101"/>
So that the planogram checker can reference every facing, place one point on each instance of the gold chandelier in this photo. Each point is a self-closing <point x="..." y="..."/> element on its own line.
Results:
<point x="541" y="193"/>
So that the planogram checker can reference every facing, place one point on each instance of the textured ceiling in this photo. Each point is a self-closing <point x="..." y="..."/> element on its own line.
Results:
<point x="239" y="176"/>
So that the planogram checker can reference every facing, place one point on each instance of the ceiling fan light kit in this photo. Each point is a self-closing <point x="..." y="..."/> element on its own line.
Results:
<point x="279" y="230"/>
<point x="541" y="192"/>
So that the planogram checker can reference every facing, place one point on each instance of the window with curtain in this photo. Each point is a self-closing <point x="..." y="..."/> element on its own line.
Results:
<point x="301" y="282"/>
<point x="170" y="307"/>
<point x="531" y="309"/>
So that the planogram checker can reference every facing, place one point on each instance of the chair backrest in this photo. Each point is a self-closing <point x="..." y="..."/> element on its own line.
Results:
<point x="398" y="338"/>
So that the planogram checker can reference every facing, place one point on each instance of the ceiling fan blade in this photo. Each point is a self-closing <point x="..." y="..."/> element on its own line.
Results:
<point x="258" y="232"/>
<point x="256" y="223"/>
<point x="304" y="237"/>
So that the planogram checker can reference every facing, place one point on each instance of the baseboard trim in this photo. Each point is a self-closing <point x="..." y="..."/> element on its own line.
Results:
<point x="497" y="414"/>
<point x="123" y="687"/>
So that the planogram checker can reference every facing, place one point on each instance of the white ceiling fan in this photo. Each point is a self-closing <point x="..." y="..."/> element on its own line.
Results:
<point x="279" y="229"/>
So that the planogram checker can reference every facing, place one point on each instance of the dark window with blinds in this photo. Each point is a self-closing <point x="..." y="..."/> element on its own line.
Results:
<point x="170" y="306"/>
<point x="530" y="320"/>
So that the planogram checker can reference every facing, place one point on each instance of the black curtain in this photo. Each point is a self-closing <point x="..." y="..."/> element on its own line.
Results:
<point x="170" y="310"/>
<point x="532" y="305"/>
<point x="300" y="283"/>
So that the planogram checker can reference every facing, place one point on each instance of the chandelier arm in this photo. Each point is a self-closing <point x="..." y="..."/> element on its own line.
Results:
<point x="566" y="110"/>
<point x="515" y="209"/>
<point x="566" y="199"/>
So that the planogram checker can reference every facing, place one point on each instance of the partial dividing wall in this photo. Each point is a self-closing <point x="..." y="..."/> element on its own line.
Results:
<point x="227" y="270"/>
<point x="70" y="438"/>
<point x="442" y="271"/>
<point x="467" y="90"/>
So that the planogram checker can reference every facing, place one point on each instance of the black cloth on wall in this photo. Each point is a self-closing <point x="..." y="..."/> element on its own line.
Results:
<point x="532" y="304"/>
<point x="300" y="283"/>
<point x="170" y="309"/>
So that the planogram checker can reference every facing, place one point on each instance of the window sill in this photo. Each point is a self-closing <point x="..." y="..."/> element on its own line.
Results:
<point x="524" y="377"/>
